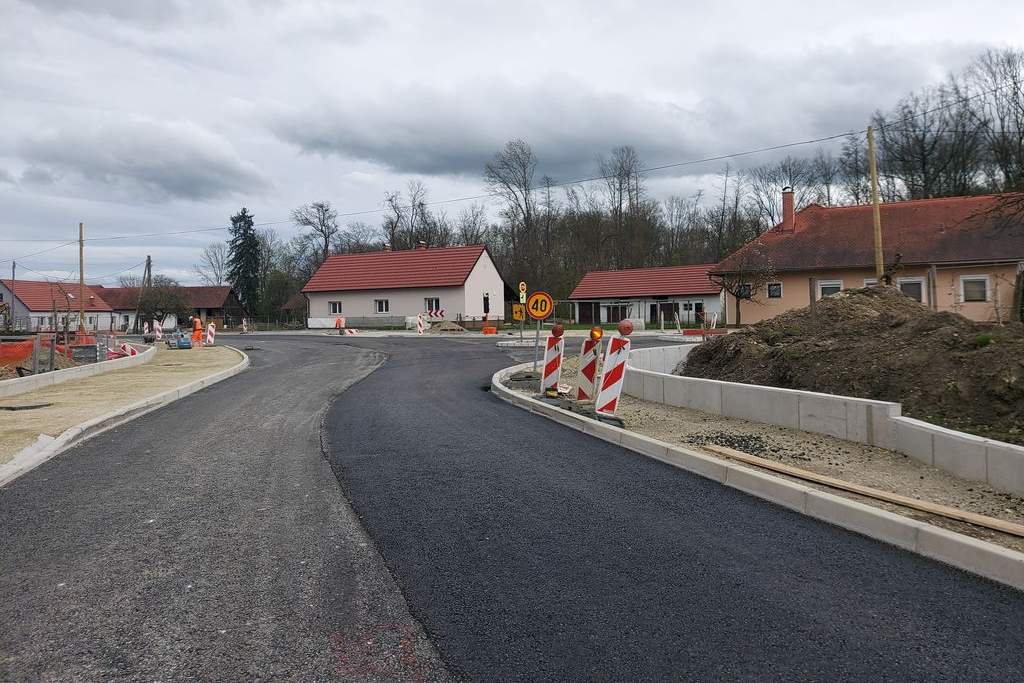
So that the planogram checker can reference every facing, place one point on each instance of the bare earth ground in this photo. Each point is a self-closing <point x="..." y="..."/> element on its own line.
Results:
<point x="80" y="400"/>
<point x="851" y="462"/>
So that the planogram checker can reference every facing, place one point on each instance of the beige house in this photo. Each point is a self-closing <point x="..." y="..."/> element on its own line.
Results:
<point x="963" y="254"/>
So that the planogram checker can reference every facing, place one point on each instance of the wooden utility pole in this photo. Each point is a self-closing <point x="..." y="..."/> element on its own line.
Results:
<point x="81" y="278"/>
<point x="12" y="325"/>
<point x="875" y="210"/>
<point x="147" y="282"/>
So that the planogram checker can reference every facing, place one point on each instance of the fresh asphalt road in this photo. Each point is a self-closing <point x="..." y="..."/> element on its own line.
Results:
<point x="211" y="539"/>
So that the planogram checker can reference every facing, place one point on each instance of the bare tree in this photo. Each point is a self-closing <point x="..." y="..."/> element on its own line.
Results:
<point x="509" y="175"/>
<point x="825" y="173"/>
<point x="213" y="264"/>
<point x="766" y="183"/>
<point x="748" y="273"/>
<point x="129" y="280"/>
<point x="471" y="225"/>
<point x="322" y="219"/>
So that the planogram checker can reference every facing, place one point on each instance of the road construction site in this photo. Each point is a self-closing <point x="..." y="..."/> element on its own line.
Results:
<point x="359" y="509"/>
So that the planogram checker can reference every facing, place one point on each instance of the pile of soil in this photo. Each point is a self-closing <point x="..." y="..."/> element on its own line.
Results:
<point x="877" y="343"/>
<point x="10" y="371"/>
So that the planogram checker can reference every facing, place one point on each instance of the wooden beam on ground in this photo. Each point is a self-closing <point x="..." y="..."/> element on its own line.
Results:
<point x="869" y="492"/>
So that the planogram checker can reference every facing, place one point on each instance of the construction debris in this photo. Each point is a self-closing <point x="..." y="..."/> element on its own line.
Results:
<point x="445" y="326"/>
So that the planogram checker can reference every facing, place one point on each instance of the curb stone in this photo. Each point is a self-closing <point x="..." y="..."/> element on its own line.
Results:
<point x="44" y="449"/>
<point x="958" y="550"/>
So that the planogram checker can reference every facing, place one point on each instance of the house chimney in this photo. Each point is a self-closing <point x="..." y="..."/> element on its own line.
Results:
<point x="421" y="245"/>
<point x="387" y="247"/>
<point x="788" y="214"/>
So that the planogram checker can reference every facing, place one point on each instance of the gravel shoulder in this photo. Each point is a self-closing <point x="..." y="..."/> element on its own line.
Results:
<point x="72" y="403"/>
<point x="852" y="462"/>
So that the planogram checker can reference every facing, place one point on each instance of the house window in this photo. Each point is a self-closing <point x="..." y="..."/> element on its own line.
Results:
<point x="487" y="304"/>
<point x="774" y="290"/>
<point x="912" y="287"/>
<point x="335" y="307"/>
<point x="380" y="305"/>
<point x="743" y="291"/>
<point x="432" y="303"/>
<point x="92" y="320"/>
<point x="829" y="287"/>
<point x="870" y="281"/>
<point x="974" y="288"/>
<point x="617" y="313"/>
<point x="687" y="307"/>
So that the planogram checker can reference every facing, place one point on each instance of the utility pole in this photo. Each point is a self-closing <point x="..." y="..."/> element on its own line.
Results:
<point x="147" y="281"/>
<point x="875" y="210"/>
<point x="81" y="278"/>
<point x="14" y="298"/>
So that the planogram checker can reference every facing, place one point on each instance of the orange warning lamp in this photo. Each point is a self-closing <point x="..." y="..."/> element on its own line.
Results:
<point x="596" y="333"/>
<point x="625" y="328"/>
<point x="557" y="330"/>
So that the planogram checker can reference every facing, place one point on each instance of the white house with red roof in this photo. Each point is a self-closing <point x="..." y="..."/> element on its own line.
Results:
<point x="32" y="304"/>
<point x="647" y="294"/>
<point x="383" y="288"/>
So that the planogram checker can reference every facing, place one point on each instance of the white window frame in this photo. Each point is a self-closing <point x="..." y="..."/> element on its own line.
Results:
<point x="988" y="288"/>
<point x="767" y="291"/>
<point x="334" y="307"/>
<point x="870" y="281"/>
<point x="829" y="283"/>
<point x="428" y="307"/>
<point x="918" y="279"/>
<point x="381" y="309"/>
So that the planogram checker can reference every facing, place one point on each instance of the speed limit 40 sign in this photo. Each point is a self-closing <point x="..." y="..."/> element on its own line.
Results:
<point x="539" y="305"/>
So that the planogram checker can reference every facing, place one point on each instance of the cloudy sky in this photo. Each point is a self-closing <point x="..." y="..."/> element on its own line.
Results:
<point x="160" y="116"/>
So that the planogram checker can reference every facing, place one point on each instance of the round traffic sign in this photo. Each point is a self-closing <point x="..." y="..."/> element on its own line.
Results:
<point x="539" y="305"/>
<point x="522" y="287"/>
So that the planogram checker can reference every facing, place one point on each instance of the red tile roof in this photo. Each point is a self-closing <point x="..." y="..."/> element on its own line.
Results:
<point x="39" y="296"/>
<point x="127" y="298"/>
<point x="669" y="281"/>
<point x="948" y="230"/>
<point x="441" y="267"/>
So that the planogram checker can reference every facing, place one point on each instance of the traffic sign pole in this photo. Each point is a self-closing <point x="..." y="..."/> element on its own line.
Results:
<point x="536" y="347"/>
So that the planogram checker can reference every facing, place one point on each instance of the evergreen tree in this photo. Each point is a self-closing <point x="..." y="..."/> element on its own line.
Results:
<point x="244" y="254"/>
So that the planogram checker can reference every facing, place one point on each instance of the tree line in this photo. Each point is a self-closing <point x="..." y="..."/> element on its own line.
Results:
<point x="962" y="136"/>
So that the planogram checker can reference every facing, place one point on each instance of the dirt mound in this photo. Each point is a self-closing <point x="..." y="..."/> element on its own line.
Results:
<point x="445" y="326"/>
<point x="877" y="343"/>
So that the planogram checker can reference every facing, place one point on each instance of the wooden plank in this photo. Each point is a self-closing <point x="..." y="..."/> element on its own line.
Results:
<point x="878" y="494"/>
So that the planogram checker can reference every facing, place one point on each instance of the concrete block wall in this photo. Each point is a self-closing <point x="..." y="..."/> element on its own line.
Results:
<point x="20" y="385"/>
<point x="873" y="423"/>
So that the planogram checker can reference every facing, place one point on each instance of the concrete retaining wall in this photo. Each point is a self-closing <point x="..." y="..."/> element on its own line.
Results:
<point x="873" y="423"/>
<point x="19" y="385"/>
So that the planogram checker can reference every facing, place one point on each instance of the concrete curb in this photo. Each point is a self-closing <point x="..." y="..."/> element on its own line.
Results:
<point x="47" y="447"/>
<point x="958" y="550"/>
<point x="20" y="385"/>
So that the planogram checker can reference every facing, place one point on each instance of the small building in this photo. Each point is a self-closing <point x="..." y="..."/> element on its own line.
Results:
<point x="962" y="254"/>
<point x="649" y="294"/>
<point x="217" y="304"/>
<point x="383" y="288"/>
<point x="32" y="304"/>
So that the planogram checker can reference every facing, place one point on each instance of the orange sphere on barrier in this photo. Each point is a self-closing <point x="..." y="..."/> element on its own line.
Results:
<point x="557" y="330"/>
<point x="625" y="328"/>
<point x="596" y="333"/>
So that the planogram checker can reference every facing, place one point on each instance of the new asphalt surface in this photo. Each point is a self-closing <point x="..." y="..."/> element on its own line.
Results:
<point x="212" y="539"/>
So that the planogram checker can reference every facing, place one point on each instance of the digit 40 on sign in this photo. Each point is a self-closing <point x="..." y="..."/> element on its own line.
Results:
<point x="540" y="305"/>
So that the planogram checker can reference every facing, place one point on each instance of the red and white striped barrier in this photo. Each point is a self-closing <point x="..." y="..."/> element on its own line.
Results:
<point x="552" y="364"/>
<point x="419" y="324"/>
<point x="158" y="330"/>
<point x="590" y="357"/>
<point x="350" y="332"/>
<point x="211" y="332"/>
<point x="145" y="328"/>
<point x="245" y="326"/>
<point x="614" y="372"/>
<point x="436" y="313"/>
<point x="129" y="350"/>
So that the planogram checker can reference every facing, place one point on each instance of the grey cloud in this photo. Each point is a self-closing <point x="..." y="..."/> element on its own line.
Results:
<point x="145" y="160"/>
<point x="36" y="175"/>
<point x="419" y="130"/>
<point x="7" y="177"/>
<point x="144" y="12"/>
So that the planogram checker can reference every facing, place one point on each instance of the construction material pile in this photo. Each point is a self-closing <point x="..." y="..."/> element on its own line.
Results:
<point x="877" y="343"/>
<point x="445" y="326"/>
